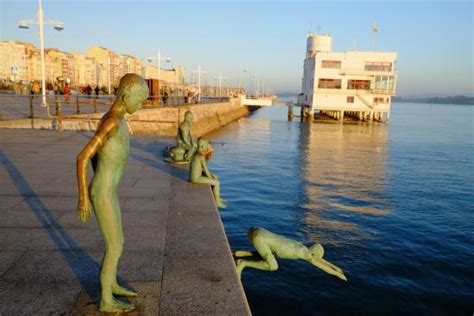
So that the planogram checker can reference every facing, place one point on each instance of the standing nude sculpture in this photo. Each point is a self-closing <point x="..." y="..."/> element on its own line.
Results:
<point x="199" y="172"/>
<point x="269" y="245"/>
<point x="185" y="143"/>
<point x="108" y="150"/>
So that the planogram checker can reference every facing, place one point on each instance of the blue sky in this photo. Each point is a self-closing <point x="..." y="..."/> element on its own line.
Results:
<point x="434" y="39"/>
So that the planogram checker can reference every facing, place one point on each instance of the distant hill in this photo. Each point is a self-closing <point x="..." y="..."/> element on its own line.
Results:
<point x="458" y="99"/>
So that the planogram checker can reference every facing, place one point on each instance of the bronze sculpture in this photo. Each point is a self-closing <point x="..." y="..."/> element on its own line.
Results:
<point x="199" y="172"/>
<point x="108" y="150"/>
<point x="269" y="245"/>
<point x="186" y="145"/>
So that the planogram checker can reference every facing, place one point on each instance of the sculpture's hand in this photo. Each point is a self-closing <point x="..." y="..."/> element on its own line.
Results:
<point x="84" y="209"/>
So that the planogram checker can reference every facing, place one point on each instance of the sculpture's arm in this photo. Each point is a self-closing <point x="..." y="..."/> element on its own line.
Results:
<point x="84" y="207"/>
<point x="205" y="169"/>
<point x="186" y="135"/>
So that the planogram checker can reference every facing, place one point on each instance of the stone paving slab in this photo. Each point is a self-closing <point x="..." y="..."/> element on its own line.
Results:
<point x="176" y="253"/>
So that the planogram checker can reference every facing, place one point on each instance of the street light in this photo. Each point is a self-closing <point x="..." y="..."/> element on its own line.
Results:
<point x="199" y="72"/>
<point x="241" y="70"/>
<point x="158" y="62"/>
<point x="40" y="21"/>
<point x="220" y="78"/>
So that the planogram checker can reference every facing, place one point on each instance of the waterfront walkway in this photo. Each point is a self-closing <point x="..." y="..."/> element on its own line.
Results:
<point x="176" y="254"/>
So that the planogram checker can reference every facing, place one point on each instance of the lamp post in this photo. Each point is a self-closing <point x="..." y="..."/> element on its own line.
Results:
<point x="158" y="62"/>
<point x="243" y="70"/>
<point x="40" y="21"/>
<point x="220" y="78"/>
<point x="199" y="73"/>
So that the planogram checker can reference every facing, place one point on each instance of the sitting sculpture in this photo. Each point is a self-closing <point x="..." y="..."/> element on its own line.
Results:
<point x="269" y="245"/>
<point x="185" y="143"/>
<point x="199" y="172"/>
<point x="108" y="150"/>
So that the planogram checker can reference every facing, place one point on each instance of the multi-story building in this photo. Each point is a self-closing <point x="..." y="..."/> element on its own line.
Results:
<point x="13" y="61"/>
<point x="85" y="70"/>
<point x="108" y="66"/>
<point x="59" y="66"/>
<point x="354" y="83"/>
<point x="129" y="64"/>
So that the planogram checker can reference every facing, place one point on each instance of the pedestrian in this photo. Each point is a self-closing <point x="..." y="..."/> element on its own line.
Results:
<point x="97" y="90"/>
<point x="67" y="92"/>
<point x="165" y="98"/>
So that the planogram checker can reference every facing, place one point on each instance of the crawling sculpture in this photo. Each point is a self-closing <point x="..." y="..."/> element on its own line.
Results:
<point x="269" y="245"/>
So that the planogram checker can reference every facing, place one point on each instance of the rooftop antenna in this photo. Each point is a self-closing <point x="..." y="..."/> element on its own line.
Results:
<point x="354" y="47"/>
<point x="310" y="27"/>
<point x="319" y="29"/>
<point x="374" y="35"/>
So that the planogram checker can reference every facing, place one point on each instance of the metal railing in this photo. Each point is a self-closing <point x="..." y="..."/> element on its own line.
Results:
<point x="70" y="107"/>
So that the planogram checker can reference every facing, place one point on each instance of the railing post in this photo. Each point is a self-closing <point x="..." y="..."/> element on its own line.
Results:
<point x="57" y="102"/>
<point x="59" y="115"/>
<point x="32" y="110"/>
<point x="78" y="107"/>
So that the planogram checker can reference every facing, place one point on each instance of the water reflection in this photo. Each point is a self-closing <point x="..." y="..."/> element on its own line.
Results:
<point x="343" y="168"/>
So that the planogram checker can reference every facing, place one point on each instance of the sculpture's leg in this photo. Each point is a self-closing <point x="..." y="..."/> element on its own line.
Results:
<point x="107" y="209"/>
<point x="190" y="150"/>
<point x="244" y="253"/>
<point x="215" y="189"/>
<point x="269" y="262"/>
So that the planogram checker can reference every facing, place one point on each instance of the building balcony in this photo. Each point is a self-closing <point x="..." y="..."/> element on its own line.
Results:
<point x="382" y="91"/>
<point x="362" y="72"/>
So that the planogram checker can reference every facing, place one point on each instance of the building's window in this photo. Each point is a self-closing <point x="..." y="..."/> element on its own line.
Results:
<point x="306" y="97"/>
<point x="379" y="100"/>
<point x="329" y="83"/>
<point x="358" y="84"/>
<point x="350" y="99"/>
<point x="331" y="64"/>
<point x="378" y="66"/>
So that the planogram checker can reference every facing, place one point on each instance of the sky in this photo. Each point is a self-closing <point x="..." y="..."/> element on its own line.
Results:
<point x="267" y="39"/>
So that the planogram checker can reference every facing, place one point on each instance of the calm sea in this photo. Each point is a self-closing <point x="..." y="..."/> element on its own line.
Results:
<point x="391" y="204"/>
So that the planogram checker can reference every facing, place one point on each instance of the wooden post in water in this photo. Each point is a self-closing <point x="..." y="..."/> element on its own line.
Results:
<point x="290" y="112"/>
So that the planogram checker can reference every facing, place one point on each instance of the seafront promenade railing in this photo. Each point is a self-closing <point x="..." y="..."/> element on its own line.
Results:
<point x="26" y="106"/>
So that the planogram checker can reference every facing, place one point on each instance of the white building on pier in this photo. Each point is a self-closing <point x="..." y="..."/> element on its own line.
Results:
<point x="351" y="83"/>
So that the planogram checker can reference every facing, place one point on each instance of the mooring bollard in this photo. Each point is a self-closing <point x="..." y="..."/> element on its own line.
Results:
<point x="32" y="110"/>
<point x="78" y="107"/>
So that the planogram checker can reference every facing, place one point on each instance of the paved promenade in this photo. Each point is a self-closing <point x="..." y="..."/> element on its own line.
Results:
<point x="176" y="254"/>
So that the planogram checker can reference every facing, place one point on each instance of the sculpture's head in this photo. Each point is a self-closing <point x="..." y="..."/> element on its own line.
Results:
<point x="317" y="251"/>
<point x="188" y="116"/>
<point x="203" y="145"/>
<point x="132" y="92"/>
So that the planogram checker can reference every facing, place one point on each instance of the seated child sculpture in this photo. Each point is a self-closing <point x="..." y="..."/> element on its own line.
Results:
<point x="185" y="143"/>
<point x="199" y="172"/>
<point x="108" y="150"/>
<point x="269" y="245"/>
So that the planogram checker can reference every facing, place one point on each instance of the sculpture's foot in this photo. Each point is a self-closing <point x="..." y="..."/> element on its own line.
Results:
<point x="115" y="306"/>
<point x="240" y="267"/>
<point x="121" y="291"/>
<point x="220" y="204"/>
